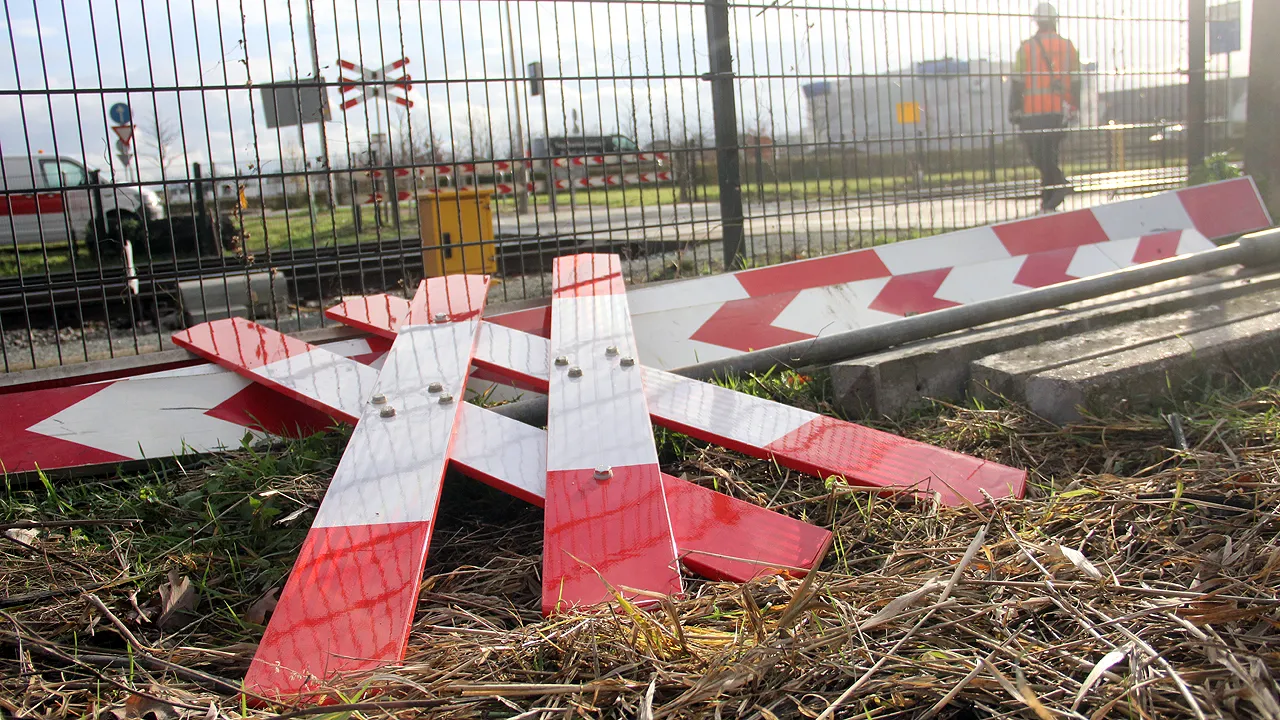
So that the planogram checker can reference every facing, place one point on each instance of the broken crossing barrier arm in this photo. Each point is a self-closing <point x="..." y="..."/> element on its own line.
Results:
<point x="1253" y="250"/>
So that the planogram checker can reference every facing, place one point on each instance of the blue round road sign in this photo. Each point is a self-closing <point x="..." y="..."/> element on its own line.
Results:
<point x="120" y="114"/>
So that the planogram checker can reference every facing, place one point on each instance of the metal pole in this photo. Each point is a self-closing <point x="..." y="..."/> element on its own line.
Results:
<point x="725" y="115"/>
<point x="202" y="213"/>
<point x="99" y="214"/>
<point x="517" y="140"/>
<point x="302" y="151"/>
<point x="1258" y="249"/>
<point x="551" y="167"/>
<point x="1196" y="93"/>
<point x="315" y="74"/>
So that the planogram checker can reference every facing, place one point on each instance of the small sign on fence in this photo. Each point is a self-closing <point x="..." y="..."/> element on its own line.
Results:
<point x="1224" y="28"/>
<point x="908" y="113"/>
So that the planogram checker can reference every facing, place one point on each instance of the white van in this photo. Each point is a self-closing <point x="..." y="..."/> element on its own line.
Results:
<point x="47" y="198"/>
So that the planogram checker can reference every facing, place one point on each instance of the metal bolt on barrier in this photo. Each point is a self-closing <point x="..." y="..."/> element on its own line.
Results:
<point x="575" y="372"/>
<point x="441" y="317"/>
<point x="378" y="399"/>
<point x="388" y="412"/>
<point x="435" y="387"/>
<point x="603" y="472"/>
<point x="445" y="399"/>
<point x="627" y="361"/>
<point x="611" y="351"/>
<point x="561" y="360"/>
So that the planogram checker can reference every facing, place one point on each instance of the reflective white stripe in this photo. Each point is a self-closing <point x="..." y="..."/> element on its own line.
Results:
<point x="506" y="451"/>
<point x="1143" y="216"/>
<point x="834" y="308"/>
<point x="962" y="247"/>
<point x="684" y="295"/>
<point x="392" y="468"/>
<point x="519" y="352"/>
<point x="151" y="418"/>
<point x="597" y="418"/>
<point x="337" y="382"/>
<point x="728" y="414"/>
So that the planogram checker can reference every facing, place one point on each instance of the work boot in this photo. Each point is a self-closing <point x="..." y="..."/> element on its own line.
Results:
<point x="1057" y="196"/>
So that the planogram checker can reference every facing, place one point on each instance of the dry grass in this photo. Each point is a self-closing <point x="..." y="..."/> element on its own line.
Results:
<point x="1137" y="581"/>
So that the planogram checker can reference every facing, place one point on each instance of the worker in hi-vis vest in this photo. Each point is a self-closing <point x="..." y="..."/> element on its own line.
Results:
<point x="1044" y="99"/>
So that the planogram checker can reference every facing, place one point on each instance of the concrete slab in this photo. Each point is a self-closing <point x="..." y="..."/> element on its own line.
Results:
<point x="904" y="379"/>
<point x="1159" y="375"/>
<point x="1006" y="375"/>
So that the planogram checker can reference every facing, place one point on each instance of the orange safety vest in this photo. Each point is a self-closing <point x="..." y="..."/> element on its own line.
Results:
<point x="1046" y="73"/>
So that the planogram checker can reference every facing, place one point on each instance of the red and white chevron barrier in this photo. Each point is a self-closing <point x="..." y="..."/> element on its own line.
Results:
<point x="719" y="316"/>
<point x="616" y="159"/>
<point x="595" y="181"/>
<point x="494" y="167"/>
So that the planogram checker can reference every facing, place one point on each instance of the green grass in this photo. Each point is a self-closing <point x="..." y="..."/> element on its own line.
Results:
<point x="228" y="523"/>
<point x="331" y="227"/>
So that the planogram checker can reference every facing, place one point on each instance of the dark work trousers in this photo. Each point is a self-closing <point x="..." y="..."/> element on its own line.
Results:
<point x="1044" y="147"/>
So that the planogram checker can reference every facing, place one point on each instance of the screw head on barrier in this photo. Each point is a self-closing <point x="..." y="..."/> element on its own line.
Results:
<point x="611" y="351"/>
<point x="435" y="387"/>
<point x="575" y="372"/>
<point x="388" y="412"/>
<point x="627" y="361"/>
<point x="445" y="399"/>
<point x="603" y="472"/>
<point x="561" y="360"/>
<point x="441" y="317"/>
<point x="378" y="399"/>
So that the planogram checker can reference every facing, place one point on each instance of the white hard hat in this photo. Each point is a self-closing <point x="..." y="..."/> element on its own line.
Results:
<point x="1046" y="12"/>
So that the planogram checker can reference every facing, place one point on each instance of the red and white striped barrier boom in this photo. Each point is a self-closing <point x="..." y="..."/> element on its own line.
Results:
<point x="719" y="537"/>
<point x="608" y="527"/>
<point x="349" y="601"/>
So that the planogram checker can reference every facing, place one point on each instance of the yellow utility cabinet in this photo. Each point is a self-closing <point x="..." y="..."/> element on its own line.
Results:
<point x="457" y="232"/>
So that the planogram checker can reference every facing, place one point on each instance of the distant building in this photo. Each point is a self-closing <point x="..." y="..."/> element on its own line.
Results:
<point x="945" y="104"/>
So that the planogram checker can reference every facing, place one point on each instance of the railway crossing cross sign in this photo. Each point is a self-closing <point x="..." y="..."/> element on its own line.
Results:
<point x="375" y="83"/>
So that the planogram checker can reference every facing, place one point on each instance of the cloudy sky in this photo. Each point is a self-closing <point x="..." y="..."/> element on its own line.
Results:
<point x="633" y="67"/>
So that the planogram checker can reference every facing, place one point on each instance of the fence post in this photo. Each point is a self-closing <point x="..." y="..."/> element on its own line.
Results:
<point x="991" y="156"/>
<point x="393" y="194"/>
<point x="1196" y="94"/>
<point x="725" y="115"/>
<point x="1261" y="143"/>
<point x="99" y="216"/>
<point x="202" y="214"/>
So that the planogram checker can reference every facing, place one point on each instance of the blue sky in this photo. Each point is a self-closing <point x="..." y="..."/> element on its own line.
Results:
<point x="181" y="45"/>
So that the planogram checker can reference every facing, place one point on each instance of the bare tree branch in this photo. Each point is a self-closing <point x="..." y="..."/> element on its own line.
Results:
<point x="163" y="138"/>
